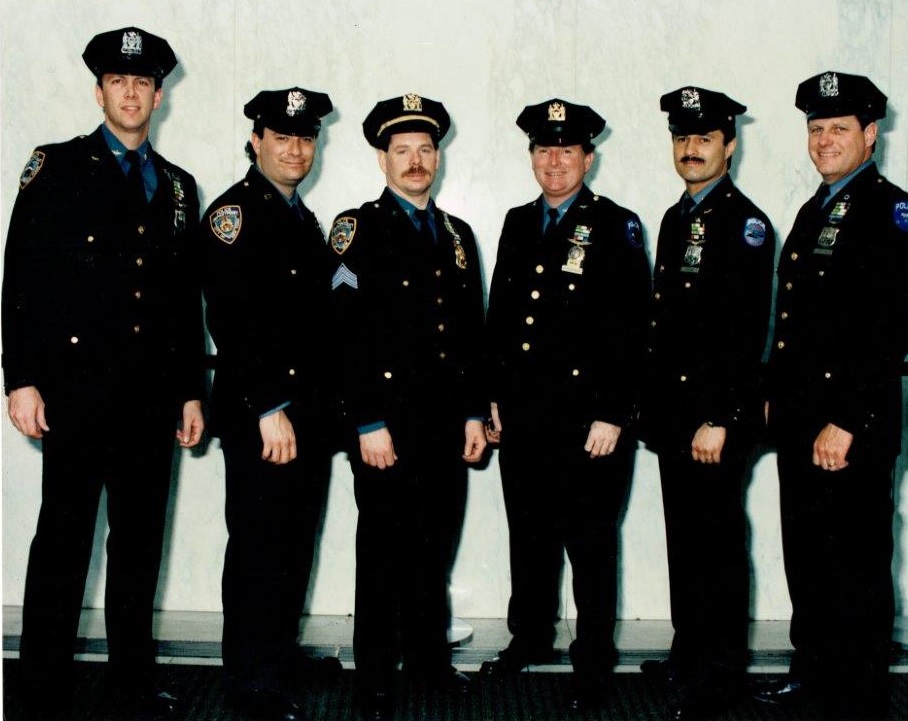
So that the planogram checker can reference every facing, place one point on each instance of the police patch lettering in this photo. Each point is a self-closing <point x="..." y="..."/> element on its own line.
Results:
<point x="900" y="215"/>
<point x="754" y="232"/>
<point x="32" y="168"/>
<point x="226" y="222"/>
<point x="342" y="233"/>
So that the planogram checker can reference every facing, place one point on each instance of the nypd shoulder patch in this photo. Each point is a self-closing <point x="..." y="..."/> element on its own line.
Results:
<point x="633" y="232"/>
<point x="754" y="232"/>
<point x="342" y="233"/>
<point x="900" y="214"/>
<point x="32" y="168"/>
<point x="226" y="223"/>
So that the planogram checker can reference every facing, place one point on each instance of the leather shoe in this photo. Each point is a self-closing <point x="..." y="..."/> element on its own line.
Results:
<point x="779" y="691"/>
<point x="376" y="705"/>
<point x="513" y="660"/>
<point x="269" y="705"/>
<point x="322" y="667"/>
<point x="664" y="671"/>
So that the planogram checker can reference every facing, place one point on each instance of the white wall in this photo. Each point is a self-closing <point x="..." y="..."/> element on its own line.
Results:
<point x="485" y="59"/>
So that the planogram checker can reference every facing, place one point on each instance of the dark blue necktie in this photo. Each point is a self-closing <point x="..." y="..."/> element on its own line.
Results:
<point x="135" y="183"/>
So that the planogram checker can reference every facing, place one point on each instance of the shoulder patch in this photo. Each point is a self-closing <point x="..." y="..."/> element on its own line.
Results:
<point x="226" y="222"/>
<point x="32" y="168"/>
<point x="342" y="233"/>
<point x="900" y="214"/>
<point x="634" y="233"/>
<point x="754" y="232"/>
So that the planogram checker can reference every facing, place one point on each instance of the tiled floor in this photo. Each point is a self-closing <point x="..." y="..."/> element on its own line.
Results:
<point x="189" y="637"/>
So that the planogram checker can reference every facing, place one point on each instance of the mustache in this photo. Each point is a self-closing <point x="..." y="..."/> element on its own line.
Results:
<point x="691" y="159"/>
<point x="418" y="170"/>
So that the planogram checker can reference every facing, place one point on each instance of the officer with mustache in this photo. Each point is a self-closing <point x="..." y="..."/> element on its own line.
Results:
<point x="701" y="408"/>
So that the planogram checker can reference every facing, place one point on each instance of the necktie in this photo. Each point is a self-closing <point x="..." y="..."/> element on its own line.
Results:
<point x="687" y="205"/>
<point x="425" y="230"/>
<point x="822" y="195"/>
<point x="551" y="227"/>
<point x="134" y="180"/>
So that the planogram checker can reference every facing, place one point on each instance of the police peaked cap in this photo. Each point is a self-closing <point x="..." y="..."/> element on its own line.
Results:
<point x="408" y="113"/>
<point x="293" y="111"/>
<point x="558" y="122"/>
<point x="833" y="95"/>
<point x="699" y="111"/>
<point x="129" y="51"/>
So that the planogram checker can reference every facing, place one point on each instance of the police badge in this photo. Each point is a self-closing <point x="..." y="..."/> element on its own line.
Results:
<point x="557" y="112"/>
<point x="226" y="222"/>
<point x="413" y="102"/>
<point x="829" y="85"/>
<point x="32" y="167"/>
<point x="690" y="99"/>
<point x="132" y="43"/>
<point x="296" y="103"/>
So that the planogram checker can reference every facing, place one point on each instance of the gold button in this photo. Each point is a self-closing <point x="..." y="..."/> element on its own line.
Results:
<point x="661" y="268"/>
<point x="652" y="324"/>
<point x="683" y="379"/>
<point x="90" y="239"/>
<point x="139" y="262"/>
<point x="440" y="301"/>
<point x="571" y="286"/>
<point x="406" y="283"/>
<point x="687" y="285"/>
<point x="827" y="375"/>
<point x="441" y="327"/>
<point x="535" y="295"/>
<point x="138" y="294"/>
<point x="821" y="273"/>
<point x="539" y="269"/>
<point x="136" y="329"/>
<point x="575" y="372"/>
<point x="442" y="355"/>
<point x="74" y="339"/>
<point x="530" y="320"/>
<point x="525" y="346"/>
<point x="784" y="315"/>
<point x="788" y="286"/>
<point x="780" y="345"/>
<point x="388" y="375"/>
<point x="141" y="229"/>
<point x="438" y="273"/>
<point x="794" y="256"/>
<point x="292" y="371"/>
<point x="657" y="296"/>
<point x="293" y="271"/>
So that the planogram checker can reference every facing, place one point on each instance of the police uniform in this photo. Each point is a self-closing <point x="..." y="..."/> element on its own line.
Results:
<point x="102" y="313"/>
<point x="711" y="300"/>
<point x="565" y="330"/>
<point x="409" y="309"/>
<point x="266" y="278"/>
<point x="841" y="334"/>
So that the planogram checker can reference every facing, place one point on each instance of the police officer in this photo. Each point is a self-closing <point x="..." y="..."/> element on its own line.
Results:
<point x="409" y="300"/>
<point x="835" y="408"/>
<point x="565" y="333"/>
<point x="102" y="358"/>
<point x="701" y="408"/>
<point x="266" y="277"/>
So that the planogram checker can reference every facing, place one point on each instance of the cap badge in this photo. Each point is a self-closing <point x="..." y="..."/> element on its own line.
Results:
<point x="829" y="85"/>
<point x="296" y="103"/>
<point x="557" y="112"/>
<point x="690" y="99"/>
<point x="413" y="102"/>
<point x="132" y="43"/>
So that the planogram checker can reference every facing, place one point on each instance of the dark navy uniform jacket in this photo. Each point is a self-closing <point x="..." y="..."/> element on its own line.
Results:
<point x="841" y="330"/>
<point x="566" y="320"/>
<point x="266" y="290"/>
<point x="712" y="292"/>
<point x="410" y="316"/>
<point x="100" y="303"/>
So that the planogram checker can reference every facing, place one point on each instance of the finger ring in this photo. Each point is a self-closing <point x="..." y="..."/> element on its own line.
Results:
<point x="832" y="465"/>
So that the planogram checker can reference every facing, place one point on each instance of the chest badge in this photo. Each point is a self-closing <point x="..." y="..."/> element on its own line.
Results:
<point x="577" y="252"/>
<point x="693" y="253"/>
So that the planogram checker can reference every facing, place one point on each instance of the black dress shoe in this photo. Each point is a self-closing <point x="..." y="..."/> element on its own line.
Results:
<point x="664" y="672"/>
<point x="268" y="705"/>
<point x="321" y="667"/>
<point x="787" y="689"/>
<point x="513" y="660"/>
<point x="588" y="691"/>
<point x="376" y="705"/>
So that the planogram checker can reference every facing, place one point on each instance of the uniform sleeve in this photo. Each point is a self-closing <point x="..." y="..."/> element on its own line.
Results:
<point x="499" y="295"/>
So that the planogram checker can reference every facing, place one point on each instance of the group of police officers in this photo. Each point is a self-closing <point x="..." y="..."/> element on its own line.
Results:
<point x="582" y="352"/>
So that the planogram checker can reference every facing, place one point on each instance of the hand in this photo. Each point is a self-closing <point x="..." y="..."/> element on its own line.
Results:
<point x="190" y="432"/>
<point x="493" y="430"/>
<point x="377" y="448"/>
<point x="707" y="444"/>
<point x="278" y="438"/>
<point x="602" y="439"/>
<point x="831" y="447"/>
<point x="26" y="410"/>
<point x="475" y="441"/>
